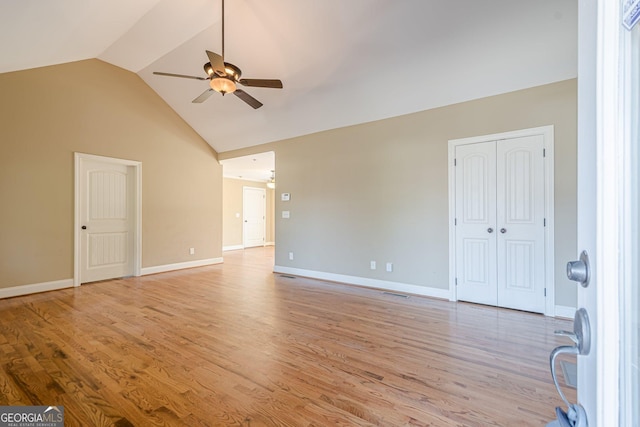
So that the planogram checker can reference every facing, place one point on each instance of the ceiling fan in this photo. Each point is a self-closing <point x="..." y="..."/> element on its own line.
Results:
<point x="224" y="77"/>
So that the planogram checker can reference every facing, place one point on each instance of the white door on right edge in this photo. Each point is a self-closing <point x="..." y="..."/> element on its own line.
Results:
<point x="500" y="255"/>
<point x="608" y="216"/>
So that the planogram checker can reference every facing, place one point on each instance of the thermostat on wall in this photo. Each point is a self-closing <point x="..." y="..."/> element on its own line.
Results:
<point x="285" y="197"/>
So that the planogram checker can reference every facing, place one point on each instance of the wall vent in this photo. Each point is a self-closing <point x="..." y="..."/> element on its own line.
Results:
<point x="393" y="294"/>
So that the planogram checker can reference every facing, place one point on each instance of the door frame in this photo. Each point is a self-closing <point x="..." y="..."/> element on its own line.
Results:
<point x="136" y="166"/>
<point x="264" y="216"/>
<point x="548" y="135"/>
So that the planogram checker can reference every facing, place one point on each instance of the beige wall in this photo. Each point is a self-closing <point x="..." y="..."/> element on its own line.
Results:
<point x="232" y="205"/>
<point x="379" y="191"/>
<point x="271" y="220"/>
<point x="92" y="107"/>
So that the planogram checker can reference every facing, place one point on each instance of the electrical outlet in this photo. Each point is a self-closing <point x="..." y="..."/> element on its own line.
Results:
<point x="291" y="256"/>
<point x="389" y="267"/>
<point x="192" y="251"/>
<point x="373" y="265"/>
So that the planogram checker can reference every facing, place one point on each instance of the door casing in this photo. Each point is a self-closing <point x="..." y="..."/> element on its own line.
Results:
<point x="548" y="133"/>
<point x="137" y="214"/>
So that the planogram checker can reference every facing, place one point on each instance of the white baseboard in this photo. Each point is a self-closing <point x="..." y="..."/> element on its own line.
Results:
<point x="565" y="312"/>
<point x="16" y="291"/>
<point x="239" y="247"/>
<point x="179" y="266"/>
<point x="366" y="282"/>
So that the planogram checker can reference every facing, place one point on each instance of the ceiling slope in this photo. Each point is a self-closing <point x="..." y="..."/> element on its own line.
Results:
<point x="341" y="62"/>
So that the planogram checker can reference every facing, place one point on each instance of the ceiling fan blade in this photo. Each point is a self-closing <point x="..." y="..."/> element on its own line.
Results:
<point x="217" y="62"/>
<point x="272" y="83"/>
<point x="179" y="75"/>
<point x="203" y="96"/>
<point x="247" y="98"/>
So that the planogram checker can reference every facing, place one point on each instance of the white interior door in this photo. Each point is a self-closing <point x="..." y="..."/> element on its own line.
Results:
<point x="500" y="223"/>
<point x="520" y="223"/>
<point x="587" y="200"/>
<point x="475" y="195"/>
<point x="106" y="220"/>
<point x="608" y="214"/>
<point x="254" y="208"/>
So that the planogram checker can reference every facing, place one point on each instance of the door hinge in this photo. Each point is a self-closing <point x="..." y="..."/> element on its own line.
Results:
<point x="454" y="162"/>
<point x="544" y="152"/>
<point x="455" y="221"/>
<point x="545" y="292"/>
<point x="456" y="281"/>
<point x="545" y="222"/>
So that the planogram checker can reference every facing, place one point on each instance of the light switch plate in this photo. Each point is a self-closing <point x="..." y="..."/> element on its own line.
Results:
<point x="285" y="214"/>
<point x="285" y="197"/>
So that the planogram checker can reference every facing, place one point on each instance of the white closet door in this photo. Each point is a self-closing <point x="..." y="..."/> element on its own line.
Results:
<point x="499" y="216"/>
<point x="520" y="222"/>
<point x="476" y="223"/>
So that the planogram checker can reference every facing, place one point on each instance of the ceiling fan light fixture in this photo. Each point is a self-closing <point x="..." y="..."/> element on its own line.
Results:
<point x="224" y="77"/>
<point x="223" y="85"/>
<point x="232" y="71"/>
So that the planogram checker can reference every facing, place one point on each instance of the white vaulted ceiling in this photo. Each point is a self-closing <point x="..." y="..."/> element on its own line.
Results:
<point x="342" y="62"/>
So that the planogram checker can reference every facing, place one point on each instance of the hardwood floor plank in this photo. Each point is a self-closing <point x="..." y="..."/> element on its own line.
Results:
<point x="236" y="345"/>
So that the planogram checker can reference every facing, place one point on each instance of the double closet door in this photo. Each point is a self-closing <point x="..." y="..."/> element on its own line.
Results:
<point x="499" y="223"/>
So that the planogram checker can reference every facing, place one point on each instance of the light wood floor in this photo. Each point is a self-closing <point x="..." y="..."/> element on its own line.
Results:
<point x="236" y="345"/>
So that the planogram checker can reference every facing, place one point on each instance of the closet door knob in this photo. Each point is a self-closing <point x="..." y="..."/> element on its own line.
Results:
<point x="489" y="230"/>
<point x="503" y="230"/>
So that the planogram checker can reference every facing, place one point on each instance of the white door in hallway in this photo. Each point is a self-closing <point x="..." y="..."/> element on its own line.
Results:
<point x="254" y="209"/>
<point x="106" y="220"/>
<point x="499" y="217"/>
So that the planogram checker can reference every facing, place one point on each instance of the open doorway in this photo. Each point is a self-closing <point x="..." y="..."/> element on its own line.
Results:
<point x="253" y="174"/>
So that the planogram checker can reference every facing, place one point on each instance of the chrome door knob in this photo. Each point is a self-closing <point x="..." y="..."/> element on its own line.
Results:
<point x="489" y="230"/>
<point x="503" y="230"/>
<point x="579" y="271"/>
